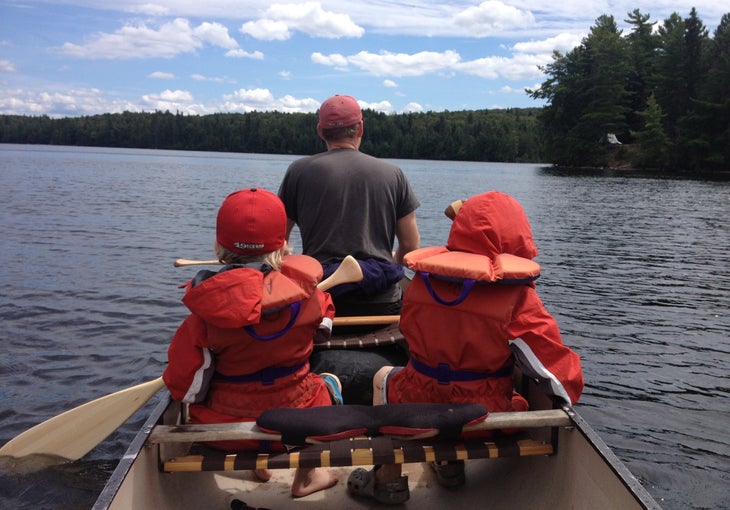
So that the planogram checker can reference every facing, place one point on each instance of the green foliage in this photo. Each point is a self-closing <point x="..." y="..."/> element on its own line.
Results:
<point x="485" y="135"/>
<point x="653" y="142"/>
<point x="666" y="90"/>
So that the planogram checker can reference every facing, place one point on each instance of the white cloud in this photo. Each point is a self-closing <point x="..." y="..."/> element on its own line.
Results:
<point x="150" y="9"/>
<point x="211" y="79"/>
<point x="562" y="42"/>
<point x="239" y="53"/>
<point x="403" y="64"/>
<point x="382" y="106"/>
<point x="285" y="75"/>
<point x="174" y="101"/>
<point x="413" y="108"/>
<point x="280" y="20"/>
<point x="334" y="60"/>
<point x="215" y="34"/>
<point x="248" y="100"/>
<point x="72" y="102"/>
<point x="7" y="66"/>
<point x="490" y="18"/>
<point x="516" y="67"/>
<point x="160" y="75"/>
<point x="140" y="41"/>
<point x="266" y="30"/>
<point x="390" y="84"/>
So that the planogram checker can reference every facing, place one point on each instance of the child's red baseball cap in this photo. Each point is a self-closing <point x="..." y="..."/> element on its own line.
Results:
<point x="251" y="222"/>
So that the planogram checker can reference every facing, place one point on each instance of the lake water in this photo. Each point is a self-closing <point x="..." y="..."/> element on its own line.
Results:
<point x="636" y="270"/>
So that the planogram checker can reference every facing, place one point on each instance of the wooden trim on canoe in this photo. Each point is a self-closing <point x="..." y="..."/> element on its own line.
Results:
<point x="361" y="452"/>
<point x="249" y="430"/>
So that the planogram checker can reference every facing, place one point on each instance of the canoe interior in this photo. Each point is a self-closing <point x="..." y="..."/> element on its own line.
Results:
<point x="583" y="474"/>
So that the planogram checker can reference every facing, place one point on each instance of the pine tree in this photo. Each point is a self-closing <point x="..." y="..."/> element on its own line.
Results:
<point x="653" y="141"/>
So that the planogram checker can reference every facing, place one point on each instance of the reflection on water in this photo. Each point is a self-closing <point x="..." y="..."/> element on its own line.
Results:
<point x="635" y="269"/>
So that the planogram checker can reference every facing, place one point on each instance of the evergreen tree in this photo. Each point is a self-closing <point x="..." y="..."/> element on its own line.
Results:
<point x="642" y="49"/>
<point x="653" y="141"/>
<point x="587" y="95"/>
<point x="671" y="91"/>
<point x="714" y="107"/>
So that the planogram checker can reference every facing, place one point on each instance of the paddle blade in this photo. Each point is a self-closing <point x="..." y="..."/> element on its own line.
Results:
<point x="453" y="208"/>
<point x="72" y="434"/>
<point x="348" y="271"/>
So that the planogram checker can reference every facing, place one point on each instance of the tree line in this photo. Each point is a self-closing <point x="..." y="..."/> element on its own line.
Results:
<point x="509" y="135"/>
<point x="664" y="89"/>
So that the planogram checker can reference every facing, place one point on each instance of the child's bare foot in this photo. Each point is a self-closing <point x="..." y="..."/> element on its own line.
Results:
<point x="310" y="480"/>
<point x="263" y="475"/>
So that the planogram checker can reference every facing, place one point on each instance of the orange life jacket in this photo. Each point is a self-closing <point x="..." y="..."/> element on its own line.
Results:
<point x="455" y="315"/>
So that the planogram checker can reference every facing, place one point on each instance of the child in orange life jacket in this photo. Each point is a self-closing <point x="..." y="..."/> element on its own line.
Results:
<point x="463" y="342"/>
<point x="246" y="345"/>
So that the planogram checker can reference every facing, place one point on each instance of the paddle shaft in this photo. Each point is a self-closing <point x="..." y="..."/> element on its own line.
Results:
<point x="366" y="320"/>
<point x="187" y="262"/>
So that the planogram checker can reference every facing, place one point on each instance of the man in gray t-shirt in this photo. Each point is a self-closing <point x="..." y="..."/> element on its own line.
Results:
<point x="349" y="203"/>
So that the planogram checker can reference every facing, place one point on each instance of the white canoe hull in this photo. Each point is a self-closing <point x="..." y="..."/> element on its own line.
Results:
<point x="582" y="474"/>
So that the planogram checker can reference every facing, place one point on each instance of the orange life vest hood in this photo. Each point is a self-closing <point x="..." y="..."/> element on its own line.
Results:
<point x="238" y="297"/>
<point x="492" y="223"/>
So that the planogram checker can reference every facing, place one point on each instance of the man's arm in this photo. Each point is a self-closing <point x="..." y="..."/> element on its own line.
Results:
<point x="409" y="239"/>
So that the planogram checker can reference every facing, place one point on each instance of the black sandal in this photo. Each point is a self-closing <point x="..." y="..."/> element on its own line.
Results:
<point x="362" y="482"/>
<point x="450" y="474"/>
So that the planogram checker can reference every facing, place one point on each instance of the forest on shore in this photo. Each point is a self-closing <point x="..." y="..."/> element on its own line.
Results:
<point x="660" y="93"/>
<point x="512" y="135"/>
<point x="663" y="90"/>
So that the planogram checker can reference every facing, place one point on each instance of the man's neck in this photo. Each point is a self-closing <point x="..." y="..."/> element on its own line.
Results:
<point x="342" y="144"/>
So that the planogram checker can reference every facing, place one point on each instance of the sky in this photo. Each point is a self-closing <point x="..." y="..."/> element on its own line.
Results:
<point x="68" y="58"/>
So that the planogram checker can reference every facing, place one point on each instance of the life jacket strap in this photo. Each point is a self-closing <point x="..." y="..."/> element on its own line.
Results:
<point x="467" y="285"/>
<point x="444" y="375"/>
<point x="267" y="376"/>
<point x="294" y="307"/>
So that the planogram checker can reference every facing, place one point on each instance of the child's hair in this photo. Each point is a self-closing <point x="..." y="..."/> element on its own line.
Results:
<point x="226" y="256"/>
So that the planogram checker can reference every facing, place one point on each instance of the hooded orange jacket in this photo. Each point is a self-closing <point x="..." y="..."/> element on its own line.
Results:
<point x="246" y="345"/>
<point x="464" y="351"/>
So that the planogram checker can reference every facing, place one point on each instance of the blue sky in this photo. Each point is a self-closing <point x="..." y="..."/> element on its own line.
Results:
<point x="85" y="57"/>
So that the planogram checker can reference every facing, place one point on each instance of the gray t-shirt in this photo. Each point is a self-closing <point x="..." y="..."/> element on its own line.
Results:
<point x="346" y="203"/>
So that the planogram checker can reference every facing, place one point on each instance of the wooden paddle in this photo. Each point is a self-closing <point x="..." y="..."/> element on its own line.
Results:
<point x="366" y="320"/>
<point x="453" y="208"/>
<point x="186" y="262"/>
<point x="74" y="433"/>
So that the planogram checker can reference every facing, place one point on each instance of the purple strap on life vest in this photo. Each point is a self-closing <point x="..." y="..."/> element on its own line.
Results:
<point x="266" y="376"/>
<point x="467" y="285"/>
<point x="294" y="307"/>
<point x="444" y="375"/>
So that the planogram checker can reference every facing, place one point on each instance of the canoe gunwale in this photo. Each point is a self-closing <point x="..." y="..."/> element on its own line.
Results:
<point x="109" y="492"/>
<point x="619" y="469"/>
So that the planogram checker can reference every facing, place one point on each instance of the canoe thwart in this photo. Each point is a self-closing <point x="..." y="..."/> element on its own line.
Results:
<point x="361" y="451"/>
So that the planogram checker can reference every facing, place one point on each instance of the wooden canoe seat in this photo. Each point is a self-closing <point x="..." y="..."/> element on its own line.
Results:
<point x="357" y="451"/>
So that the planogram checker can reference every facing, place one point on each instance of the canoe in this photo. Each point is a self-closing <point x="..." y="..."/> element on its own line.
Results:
<point x="556" y="462"/>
